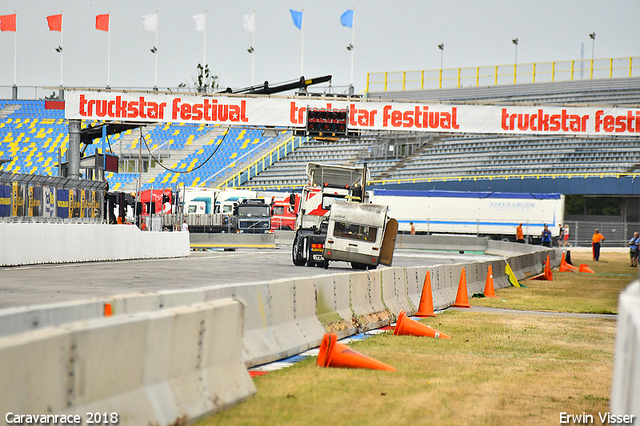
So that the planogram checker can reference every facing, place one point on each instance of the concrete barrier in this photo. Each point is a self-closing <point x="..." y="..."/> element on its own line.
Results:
<point x="415" y="283"/>
<point x="442" y="242"/>
<point x="33" y="243"/>
<point x="625" y="388"/>
<point x="166" y="367"/>
<point x="293" y="315"/>
<point x="29" y="318"/>
<point x="395" y="291"/>
<point x="369" y="311"/>
<point x="332" y="304"/>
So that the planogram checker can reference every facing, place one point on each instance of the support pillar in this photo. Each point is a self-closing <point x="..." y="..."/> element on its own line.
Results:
<point x="14" y="92"/>
<point x="73" y="155"/>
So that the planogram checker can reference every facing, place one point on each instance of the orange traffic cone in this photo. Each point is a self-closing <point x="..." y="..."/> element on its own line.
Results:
<point x="489" y="290"/>
<point x="426" y="299"/>
<point x="337" y="355"/>
<point x="585" y="268"/>
<point x="546" y="275"/>
<point x="565" y="267"/>
<point x="408" y="327"/>
<point x="462" y="298"/>
<point x="107" y="310"/>
<point x="547" y="269"/>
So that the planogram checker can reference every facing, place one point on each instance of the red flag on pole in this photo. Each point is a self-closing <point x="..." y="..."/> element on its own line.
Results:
<point x="8" y="22"/>
<point x="102" y="22"/>
<point x="55" y="22"/>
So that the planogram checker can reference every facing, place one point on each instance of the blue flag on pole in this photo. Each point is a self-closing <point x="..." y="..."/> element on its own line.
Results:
<point x="297" y="18"/>
<point x="347" y="19"/>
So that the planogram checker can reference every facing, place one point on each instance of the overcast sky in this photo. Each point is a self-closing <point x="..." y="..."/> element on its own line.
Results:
<point x="389" y="36"/>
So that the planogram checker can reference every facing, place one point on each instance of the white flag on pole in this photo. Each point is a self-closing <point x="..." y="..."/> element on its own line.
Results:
<point x="249" y="22"/>
<point x="150" y="22"/>
<point x="200" y="21"/>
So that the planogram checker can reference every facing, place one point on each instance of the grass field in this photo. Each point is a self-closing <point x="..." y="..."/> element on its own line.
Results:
<point x="499" y="369"/>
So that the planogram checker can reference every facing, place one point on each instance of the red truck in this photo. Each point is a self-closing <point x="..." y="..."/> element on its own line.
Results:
<point x="283" y="213"/>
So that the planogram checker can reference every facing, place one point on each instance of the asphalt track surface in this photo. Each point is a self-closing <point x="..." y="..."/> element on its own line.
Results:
<point x="42" y="284"/>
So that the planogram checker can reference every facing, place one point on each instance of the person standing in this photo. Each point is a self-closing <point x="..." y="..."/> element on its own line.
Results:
<point x="519" y="234"/>
<point x="634" y="244"/>
<point x="413" y="228"/>
<point x="596" y="241"/>
<point x="185" y="227"/>
<point x="560" y="239"/>
<point x="546" y="237"/>
<point x="565" y="243"/>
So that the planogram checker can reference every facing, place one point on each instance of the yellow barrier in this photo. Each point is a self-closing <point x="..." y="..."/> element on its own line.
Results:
<point x="493" y="75"/>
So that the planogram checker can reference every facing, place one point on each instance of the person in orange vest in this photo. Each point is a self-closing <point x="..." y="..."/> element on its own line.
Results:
<point x="519" y="234"/>
<point x="597" y="239"/>
<point x="413" y="228"/>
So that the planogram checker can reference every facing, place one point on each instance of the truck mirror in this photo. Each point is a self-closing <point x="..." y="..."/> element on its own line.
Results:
<point x="292" y="199"/>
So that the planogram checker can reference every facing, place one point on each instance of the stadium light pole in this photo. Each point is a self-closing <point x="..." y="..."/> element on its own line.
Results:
<point x="515" y="64"/>
<point x="441" y="47"/>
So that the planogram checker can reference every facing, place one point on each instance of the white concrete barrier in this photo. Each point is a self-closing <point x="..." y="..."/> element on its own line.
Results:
<point x="366" y="301"/>
<point x="442" y="242"/>
<point x="293" y="316"/>
<point x="625" y="389"/>
<point x="166" y="367"/>
<point x="332" y="305"/>
<point x="415" y="283"/>
<point x="395" y="291"/>
<point x="28" y="318"/>
<point x="33" y="243"/>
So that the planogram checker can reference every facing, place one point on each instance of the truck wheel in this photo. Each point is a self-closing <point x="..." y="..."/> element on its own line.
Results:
<point x="372" y="266"/>
<point x="326" y="264"/>
<point x="296" y="252"/>
<point x="356" y="265"/>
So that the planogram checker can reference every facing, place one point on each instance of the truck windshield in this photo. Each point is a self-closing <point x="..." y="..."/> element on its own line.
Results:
<point x="251" y="211"/>
<point x="191" y="209"/>
<point x="278" y="210"/>
<point x="328" y="199"/>
<point x="355" y="232"/>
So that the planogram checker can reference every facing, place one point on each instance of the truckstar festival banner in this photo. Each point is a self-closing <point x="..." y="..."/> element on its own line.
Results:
<point x="289" y="112"/>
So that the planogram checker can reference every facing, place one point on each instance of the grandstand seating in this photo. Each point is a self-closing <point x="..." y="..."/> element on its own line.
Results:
<point x="32" y="137"/>
<point x="491" y="155"/>
<point x="291" y="170"/>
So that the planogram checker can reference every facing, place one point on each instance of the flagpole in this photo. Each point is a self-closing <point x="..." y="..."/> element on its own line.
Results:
<point x="155" y="76"/>
<point x="204" y="48"/>
<point x="253" y="44"/>
<point x="15" y="56"/>
<point x="353" y="39"/>
<point x="61" y="51"/>
<point x="302" y="45"/>
<point x="109" y="53"/>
